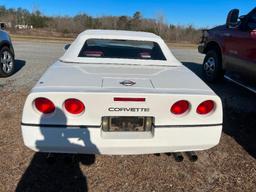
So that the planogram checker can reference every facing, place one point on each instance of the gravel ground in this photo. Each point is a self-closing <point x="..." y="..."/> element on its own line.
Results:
<point x="230" y="166"/>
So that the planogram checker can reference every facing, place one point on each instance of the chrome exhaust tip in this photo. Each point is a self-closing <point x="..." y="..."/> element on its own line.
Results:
<point x="178" y="157"/>
<point x="192" y="156"/>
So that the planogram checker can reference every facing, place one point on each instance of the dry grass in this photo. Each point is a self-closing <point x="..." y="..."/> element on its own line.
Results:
<point x="17" y="37"/>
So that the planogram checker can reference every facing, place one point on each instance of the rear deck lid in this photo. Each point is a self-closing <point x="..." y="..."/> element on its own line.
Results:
<point x="111" y="77"/>
<point x="126" y="83"/>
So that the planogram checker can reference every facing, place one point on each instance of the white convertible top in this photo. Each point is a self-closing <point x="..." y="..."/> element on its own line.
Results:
<point x="71" y="55"/>
<point x="119" y="33"/>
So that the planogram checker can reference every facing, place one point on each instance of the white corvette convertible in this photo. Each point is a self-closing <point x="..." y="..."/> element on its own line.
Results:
<point x="120" y="92"/>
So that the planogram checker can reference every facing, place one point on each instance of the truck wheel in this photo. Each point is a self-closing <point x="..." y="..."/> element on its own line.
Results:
<point x="6" y="62"/>
<point x="212" y="67"/>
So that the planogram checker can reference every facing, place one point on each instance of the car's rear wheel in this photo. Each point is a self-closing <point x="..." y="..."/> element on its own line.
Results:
<point x="6" y="62"/>
<point x="212" y="67"/>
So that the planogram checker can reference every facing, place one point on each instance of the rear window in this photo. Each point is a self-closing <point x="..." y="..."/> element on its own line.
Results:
<point x="122" y="49"/>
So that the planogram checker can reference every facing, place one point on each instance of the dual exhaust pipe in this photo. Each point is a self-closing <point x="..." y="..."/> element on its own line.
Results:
<point x="191" y="155"/>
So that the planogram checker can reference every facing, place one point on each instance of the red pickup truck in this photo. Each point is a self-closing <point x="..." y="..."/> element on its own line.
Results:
<point x="230" y="47"/>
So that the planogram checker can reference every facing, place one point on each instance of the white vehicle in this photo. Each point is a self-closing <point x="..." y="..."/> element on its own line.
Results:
<point x="120" y="92"/>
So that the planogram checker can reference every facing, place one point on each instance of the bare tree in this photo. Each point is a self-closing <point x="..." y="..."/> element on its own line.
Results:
<point x="71" y="26"/>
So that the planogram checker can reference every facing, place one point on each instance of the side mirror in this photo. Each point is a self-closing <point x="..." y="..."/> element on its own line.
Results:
<point x="242" y="17"/>
<point x="232" y="18"/>
<point x="66" y="47"/>
<point x="2" y="26"/>
<point x="252" y="23"/>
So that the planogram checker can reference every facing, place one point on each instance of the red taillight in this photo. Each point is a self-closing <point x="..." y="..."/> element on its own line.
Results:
<point x="180" y="107"/>
<point x="205" y="107"/>
<point x="74" y="106"/>
<point x="44" y="105"/>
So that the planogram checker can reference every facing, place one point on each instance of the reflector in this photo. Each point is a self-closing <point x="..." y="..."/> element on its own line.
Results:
<point x="129" y="99"/>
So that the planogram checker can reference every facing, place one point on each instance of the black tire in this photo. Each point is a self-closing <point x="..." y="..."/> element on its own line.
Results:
<point x="212" y="67"/>
<point x="7" y="62"/>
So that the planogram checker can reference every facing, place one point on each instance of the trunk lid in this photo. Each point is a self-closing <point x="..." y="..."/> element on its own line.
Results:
<point x="120" y="78"/>
<point x="126" y="83"/>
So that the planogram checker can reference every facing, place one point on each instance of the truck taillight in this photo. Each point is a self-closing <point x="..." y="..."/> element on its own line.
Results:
<point x="74" y="106"/>
<point x="205" y="107"/>
<point x="180" y="107"/>
<point x="44" y="105"/>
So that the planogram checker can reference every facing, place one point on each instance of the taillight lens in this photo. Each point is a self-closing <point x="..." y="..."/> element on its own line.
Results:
<point x="205" y="107"/>
<point x="74" y="106"/>
<point x="44" y="105"/>
<point x="180" y="107"/>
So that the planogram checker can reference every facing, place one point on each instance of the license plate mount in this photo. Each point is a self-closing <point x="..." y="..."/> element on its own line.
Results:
<point x="127" y="124"/>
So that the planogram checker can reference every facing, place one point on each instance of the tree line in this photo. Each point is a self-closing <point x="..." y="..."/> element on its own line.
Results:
<point x="80" y="22"/>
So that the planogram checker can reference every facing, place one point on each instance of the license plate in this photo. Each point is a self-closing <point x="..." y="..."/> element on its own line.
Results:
<point x="123" y="124"/>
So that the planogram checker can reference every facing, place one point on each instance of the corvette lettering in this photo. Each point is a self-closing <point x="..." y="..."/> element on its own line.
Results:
<point x="124" y="109"/>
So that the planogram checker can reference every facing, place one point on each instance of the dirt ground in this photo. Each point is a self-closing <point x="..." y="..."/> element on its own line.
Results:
<point x="230" y="166"/>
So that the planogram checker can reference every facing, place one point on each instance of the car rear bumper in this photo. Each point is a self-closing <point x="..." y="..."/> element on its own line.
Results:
<point x="93" y="140"/>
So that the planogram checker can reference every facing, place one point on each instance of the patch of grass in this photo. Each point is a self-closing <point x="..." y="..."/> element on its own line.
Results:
<point x="16" y="37"/>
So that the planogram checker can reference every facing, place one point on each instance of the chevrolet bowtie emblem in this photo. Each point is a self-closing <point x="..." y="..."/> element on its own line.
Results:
<point x="128" y="83"/>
